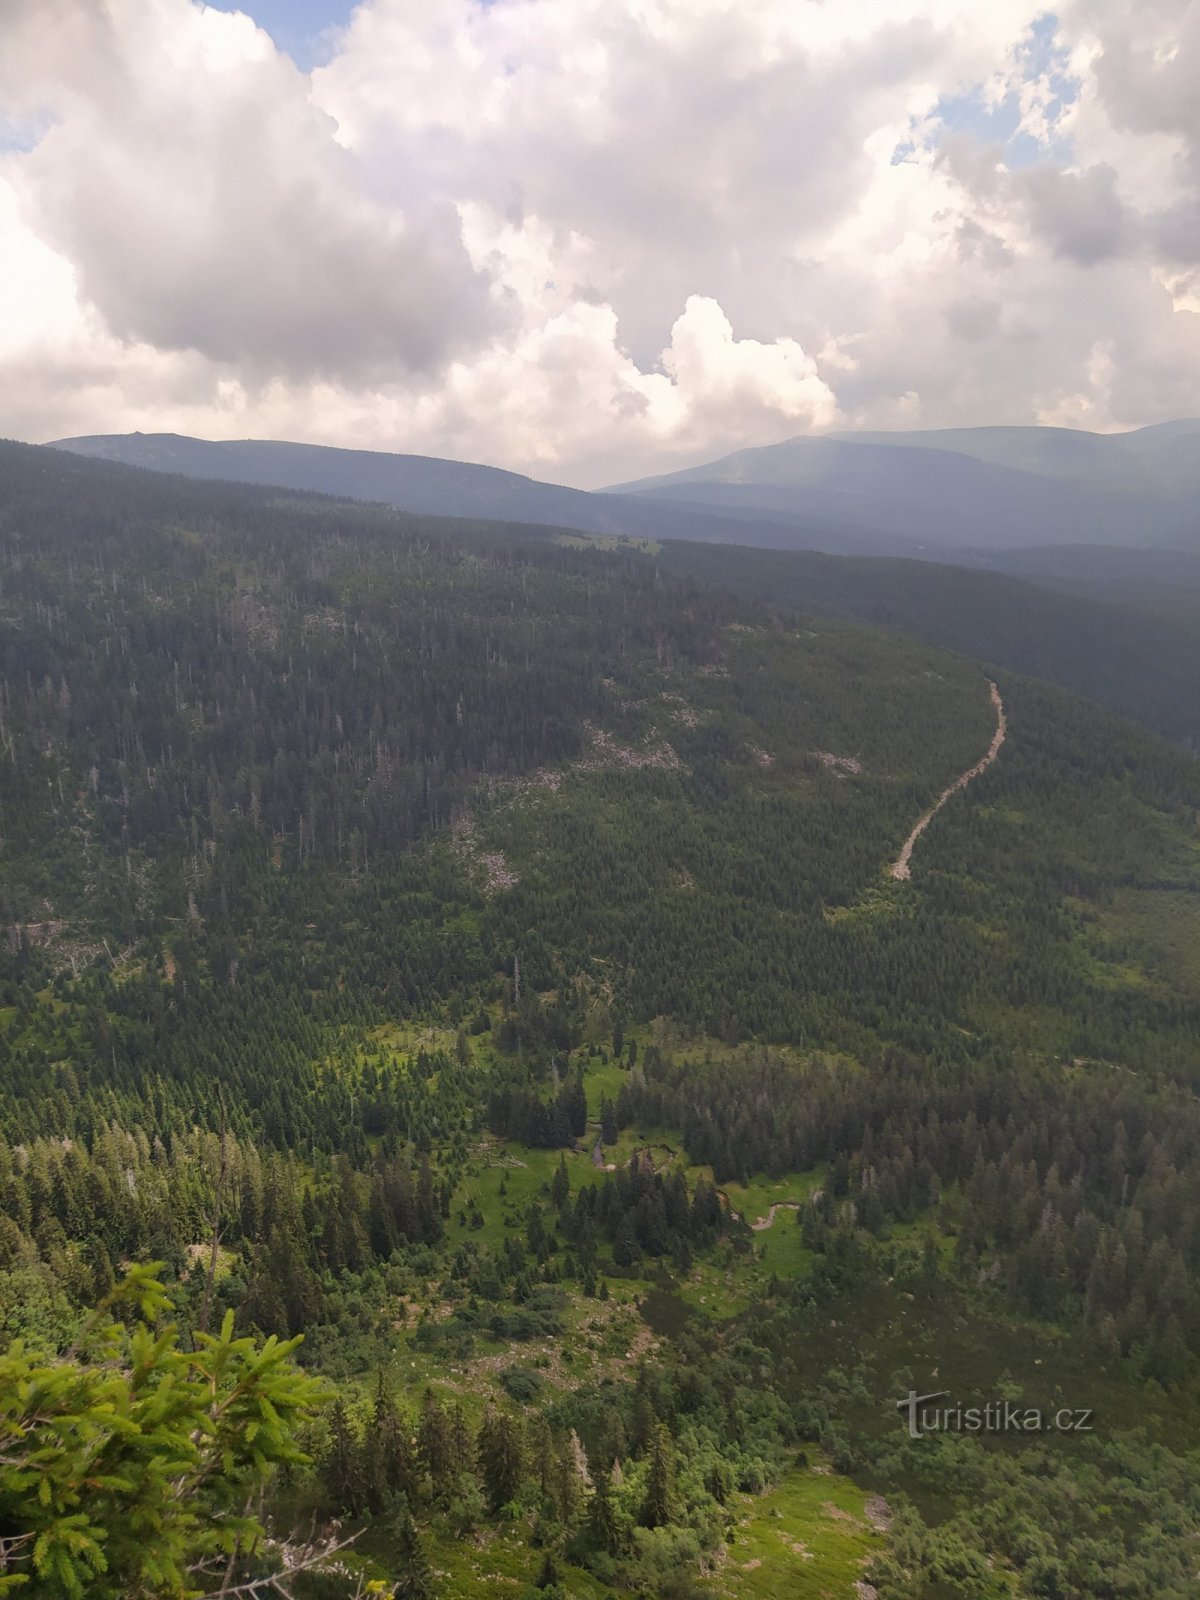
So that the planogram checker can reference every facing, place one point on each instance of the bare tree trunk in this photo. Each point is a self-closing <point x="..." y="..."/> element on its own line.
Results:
<point x="215" y="1247"/>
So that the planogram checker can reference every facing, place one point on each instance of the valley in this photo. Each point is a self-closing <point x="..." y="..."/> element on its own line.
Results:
<point x="599" y="800"/>
<point x="365" y="873"/>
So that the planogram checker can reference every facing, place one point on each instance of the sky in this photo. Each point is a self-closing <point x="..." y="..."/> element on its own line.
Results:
<point x="306" y="30"/>
<point x="595" y="239"/>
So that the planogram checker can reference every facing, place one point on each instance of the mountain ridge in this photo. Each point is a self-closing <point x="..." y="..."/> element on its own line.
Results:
<point x="1115" y="624"/>
<point x="438" y="486"/>
<point x="1054" y="451"/>
<point x="932" y="490"/>
<point x="950" y="494"/>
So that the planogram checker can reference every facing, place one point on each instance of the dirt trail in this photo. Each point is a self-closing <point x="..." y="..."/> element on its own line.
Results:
<point x="760" y="1223"/>
<point x="765" y="1222"/>
<point x="900" y="867"/>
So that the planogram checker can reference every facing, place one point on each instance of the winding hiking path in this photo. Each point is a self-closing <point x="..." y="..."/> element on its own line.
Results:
<point x="900" y="867"/>
<point x="768" y="1221"/>
<point x="760" y="1223"/>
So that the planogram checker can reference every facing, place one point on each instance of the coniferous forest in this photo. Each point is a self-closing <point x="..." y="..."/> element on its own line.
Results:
<point x="477" y="1109"/>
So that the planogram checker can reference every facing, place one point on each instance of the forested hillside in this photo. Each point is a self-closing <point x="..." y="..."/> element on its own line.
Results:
<point x="1120" y="629"/>
<point x="475" y="951"/>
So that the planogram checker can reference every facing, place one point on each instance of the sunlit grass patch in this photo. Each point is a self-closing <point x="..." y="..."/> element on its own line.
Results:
<point x="807" y="1538"/>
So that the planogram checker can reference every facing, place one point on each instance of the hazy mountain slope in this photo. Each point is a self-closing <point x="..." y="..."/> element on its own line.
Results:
<point x="894" y="495"/>
<point x="1136" y="651"/>
<point x="1162" y="460"/>
<point x="1049" y="452"/>
<point x="434" y="487"/>
<point x="1141" y="657"/>
<point x="422" y="483"/>
<point x="1100" y="569"/>
<point x="922" y="493"/>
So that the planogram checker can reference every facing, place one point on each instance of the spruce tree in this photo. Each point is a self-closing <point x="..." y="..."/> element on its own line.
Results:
<point x="390" y="1469"/>
<point x="435" y="1445"/>
<point x="560" y="1188"/>
<point x="660" y="1506"/>
<point x="342" y="1465"/>
<point x="604" y="1530"/>
<point x="547" y="1577"/>
<point x="413" y="1574"/>
<point x="462" y="1444"/>
<point x="501" y="1458"/>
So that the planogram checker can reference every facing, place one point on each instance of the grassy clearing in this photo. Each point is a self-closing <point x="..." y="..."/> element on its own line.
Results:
<point x="606" y="541"/>
<point x="718" y="1287"/>
<point x="506" y="1560"/>
<point x="807" y="1539"/>
<point x="781" y="1250"/>
<point x="732" y="1280"/>
<point x="406" y="1038"/>
<point x="601" y="1080"/>
<point x="753" y="1199"/>
<point x="504" y="1179"/>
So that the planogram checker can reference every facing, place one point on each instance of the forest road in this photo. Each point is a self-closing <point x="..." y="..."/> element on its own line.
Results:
<point x="900" y="868"/>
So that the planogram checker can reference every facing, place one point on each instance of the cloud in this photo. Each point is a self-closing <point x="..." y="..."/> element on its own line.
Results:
<point x="206" y="205"/>
<point x="586" y="238"/>
<point x="1079" y="214"/>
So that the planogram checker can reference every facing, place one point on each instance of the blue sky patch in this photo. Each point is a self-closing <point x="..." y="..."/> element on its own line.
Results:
<point x="20" y="136"/>
<point x="296" y="26"/>
<point x="1040" y="56"/>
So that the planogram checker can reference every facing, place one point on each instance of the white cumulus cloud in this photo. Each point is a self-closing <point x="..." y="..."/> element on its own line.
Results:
<point x="590" y="238"/>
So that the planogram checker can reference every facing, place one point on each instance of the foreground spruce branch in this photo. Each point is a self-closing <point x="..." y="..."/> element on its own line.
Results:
<point x="131" y="1467"/>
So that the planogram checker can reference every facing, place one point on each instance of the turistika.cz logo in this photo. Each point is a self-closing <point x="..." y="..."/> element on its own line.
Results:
<point x="996" y="1416"/>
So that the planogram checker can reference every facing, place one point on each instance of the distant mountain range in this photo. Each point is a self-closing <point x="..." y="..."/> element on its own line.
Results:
<point x="1162" y="460"/>
<point x="966" y="489"/>
<point x="951" y="494"/>
<point x="1119" y="624"/>
<point x="430" y="486"/>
